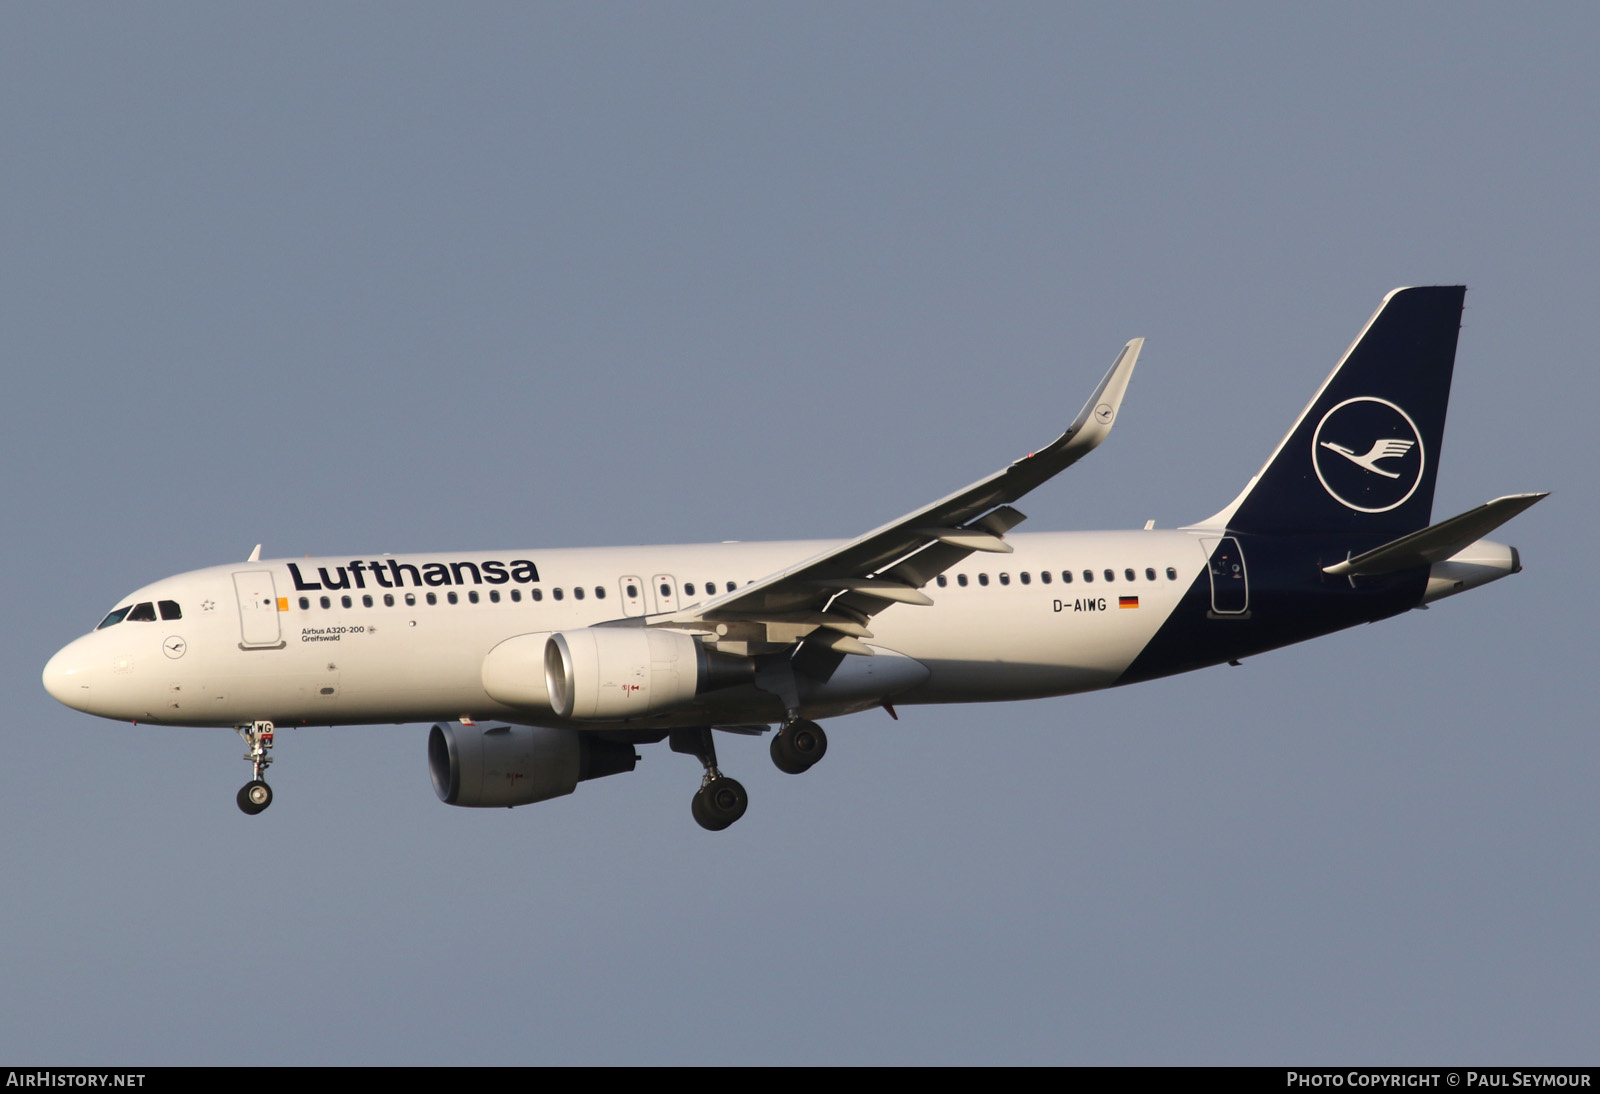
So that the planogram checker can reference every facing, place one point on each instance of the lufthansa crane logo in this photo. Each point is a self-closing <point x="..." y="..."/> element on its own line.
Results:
<point x="1368" y="454"/>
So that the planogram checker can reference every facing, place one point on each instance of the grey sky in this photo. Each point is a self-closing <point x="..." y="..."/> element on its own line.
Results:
<point x="387" y="277"/>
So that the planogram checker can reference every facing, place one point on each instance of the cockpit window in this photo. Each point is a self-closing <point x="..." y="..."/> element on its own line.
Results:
<point x="114" y="618"/>
<point x="170" y="609"/>
<point x="143" y="613"/>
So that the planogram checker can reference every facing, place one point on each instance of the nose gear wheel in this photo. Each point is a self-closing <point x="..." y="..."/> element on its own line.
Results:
<point x="254" y="796"/>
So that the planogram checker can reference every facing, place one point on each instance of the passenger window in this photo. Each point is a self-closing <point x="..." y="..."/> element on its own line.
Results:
<point x="452" y="597"/>
<point x="983" y="579"/>
<point x="1149" y="573"/>
<point x="633" y="592"/>
<point x="305" y="603"/>
<point x="114" y="618"/>
<point x="666" y="591"/>
<point x="411" y="600"/>
<point x="1088" y="575"/>
<point x="961" y="579"/>
<point x="170" y="609"/>
<point x="366" y="600"/>
<point x="433" y="599"/>
<point x="326" y="603"/>
<point x="345" y="601"/>
<point x="1111" y="575"/>
<point x="731" y="586"/>
<point x="577" y="592"/>
<point x="143" y="613"/>
<point x="494" y="596"/>
<point x="1005" y="579"/>
<point x="1066" y="577"/>
<point x="472" y="596"/>
<point x="1044" y="577"/>
<point x="558" y="594"/>
<point x="536" y="594"/>
<point x="1026" y="580"/>
<point x="599" y="592"/>
<point x="1128" y="573"/>
<point x="688" y="588"/>
<point x="1172" y="574"/>
<point x="516" y="596"/>
<point x="942" y="580"/>
<point x="388" y="600"/>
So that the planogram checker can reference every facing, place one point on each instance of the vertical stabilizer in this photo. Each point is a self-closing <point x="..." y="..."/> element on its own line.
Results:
<point x="1364" y="453"/>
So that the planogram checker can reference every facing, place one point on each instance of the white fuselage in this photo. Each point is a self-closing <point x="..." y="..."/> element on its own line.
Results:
<point x="254" y="640"/>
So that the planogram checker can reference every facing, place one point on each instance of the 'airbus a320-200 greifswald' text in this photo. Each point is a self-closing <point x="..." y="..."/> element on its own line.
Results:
<point x="546" y="668"/>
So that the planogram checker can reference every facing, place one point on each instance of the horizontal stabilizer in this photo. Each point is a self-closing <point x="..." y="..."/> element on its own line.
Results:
<point x="1437" y="542"/>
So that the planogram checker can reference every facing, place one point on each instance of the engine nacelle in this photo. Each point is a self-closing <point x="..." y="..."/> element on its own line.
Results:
<point x="502" y="766"/>
<point x="513" y="673"/>
<point x="605" y="674"/>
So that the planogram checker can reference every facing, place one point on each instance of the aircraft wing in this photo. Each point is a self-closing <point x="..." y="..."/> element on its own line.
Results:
<point x="831" y="595"/>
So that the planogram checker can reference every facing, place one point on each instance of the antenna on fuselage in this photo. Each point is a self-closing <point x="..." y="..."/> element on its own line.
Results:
<point x="255" y="556"/>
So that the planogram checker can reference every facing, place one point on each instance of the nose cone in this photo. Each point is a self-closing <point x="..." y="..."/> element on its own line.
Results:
<point x="66" y="676"/>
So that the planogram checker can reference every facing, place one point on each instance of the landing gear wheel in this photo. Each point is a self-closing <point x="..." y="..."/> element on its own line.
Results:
<point x="797" y="746"/>
<point x="719" y="803"/>
<point x="254" y="796"/>
<point x="783" y="758"/>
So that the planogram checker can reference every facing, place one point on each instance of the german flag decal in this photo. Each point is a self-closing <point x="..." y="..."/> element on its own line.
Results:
<point x="1127" y="602"/>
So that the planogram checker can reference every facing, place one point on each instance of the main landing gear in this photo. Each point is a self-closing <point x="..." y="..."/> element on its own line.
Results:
<point x="256" y="795"/>
<point x="798" y="745"/>
<point x="720" y="800"/>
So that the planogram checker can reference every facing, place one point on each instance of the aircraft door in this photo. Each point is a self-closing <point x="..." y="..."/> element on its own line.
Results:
<point x="632" y="590"/>
<point x="664" y="590"/>
<point x="258" y="610"/>
<point x="1230" y="585"/>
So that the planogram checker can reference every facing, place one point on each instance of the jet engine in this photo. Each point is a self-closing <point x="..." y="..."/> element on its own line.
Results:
<point x="602" y="674"/>
<point x="489" y="766"/>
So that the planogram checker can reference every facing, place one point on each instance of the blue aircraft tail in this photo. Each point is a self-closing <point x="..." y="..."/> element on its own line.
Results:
<point x="1364" y="453"/>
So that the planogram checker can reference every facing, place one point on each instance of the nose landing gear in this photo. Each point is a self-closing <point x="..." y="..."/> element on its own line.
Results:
<point x="256" y="795"/>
